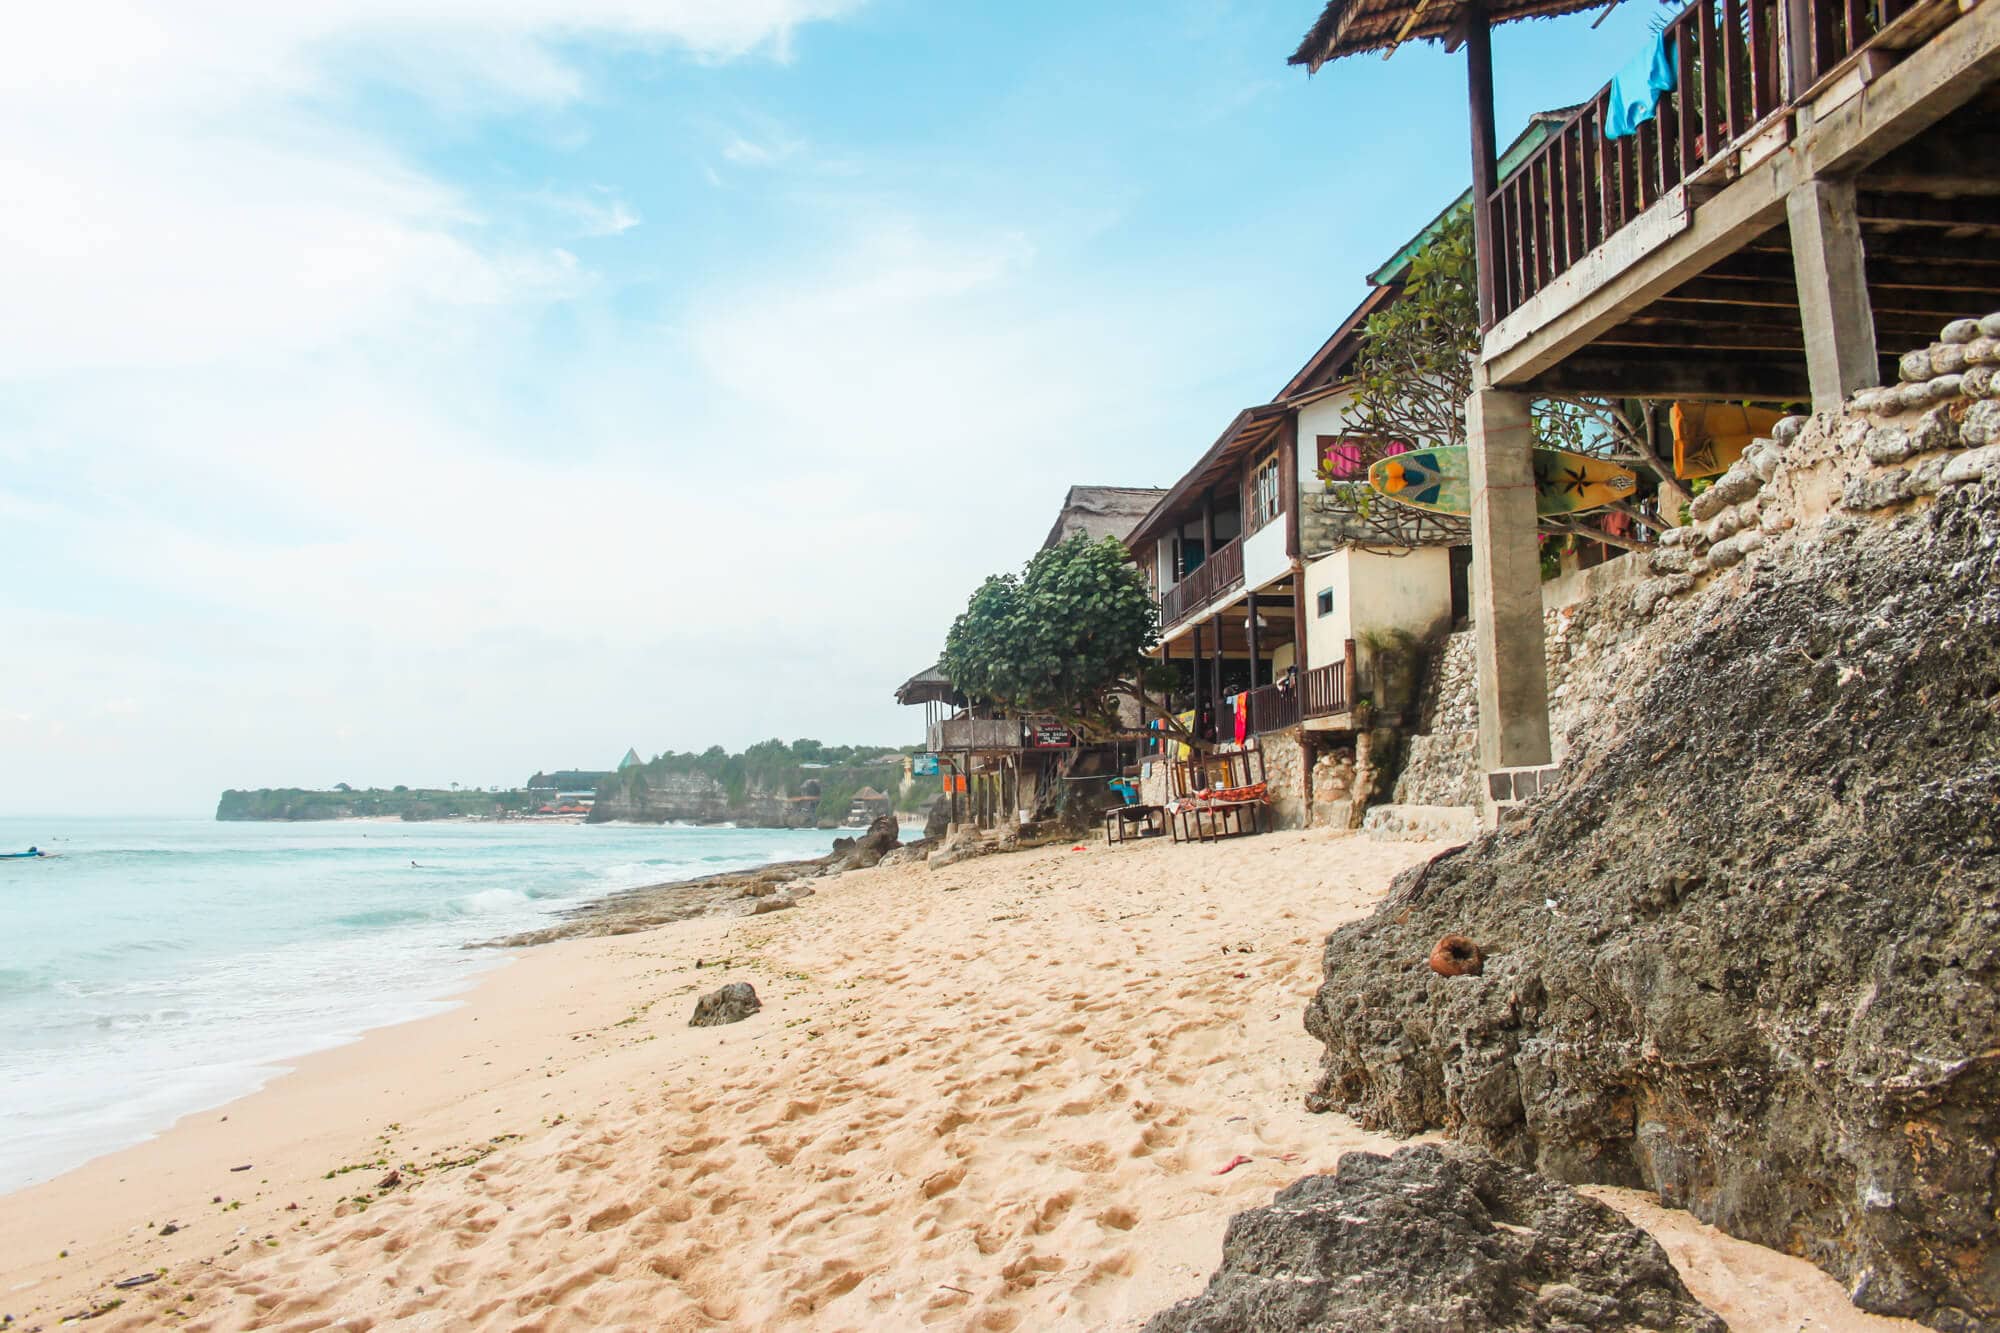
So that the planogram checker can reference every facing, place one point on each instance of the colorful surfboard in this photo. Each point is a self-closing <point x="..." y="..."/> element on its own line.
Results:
<point x="1440" y="480"/>
<point x="1708" y="437"/>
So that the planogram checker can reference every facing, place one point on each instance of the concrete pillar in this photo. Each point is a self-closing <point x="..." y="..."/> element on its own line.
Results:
<point x="1827" y="262"/>
<point x="1506" y="583"/>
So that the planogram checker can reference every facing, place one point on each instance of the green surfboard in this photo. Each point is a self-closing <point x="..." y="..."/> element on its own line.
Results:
<point x="1440" y="480"/>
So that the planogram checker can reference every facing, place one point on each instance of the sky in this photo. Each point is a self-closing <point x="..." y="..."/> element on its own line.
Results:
<point x="427" y="391"/>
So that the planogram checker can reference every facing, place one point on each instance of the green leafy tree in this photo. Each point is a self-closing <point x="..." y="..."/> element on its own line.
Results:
<point x="1414" y="372"/>
<point x="1068" y="636"/>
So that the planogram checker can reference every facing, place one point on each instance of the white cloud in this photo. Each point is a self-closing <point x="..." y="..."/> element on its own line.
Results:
<point x="598" y="212"/>
<point x="750" y="153"/>
<point x="166" y="198"/>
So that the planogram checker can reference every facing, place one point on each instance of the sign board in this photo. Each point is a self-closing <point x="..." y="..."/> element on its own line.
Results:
<point x="925" y="766"/>
<point x="1049" y="736"/>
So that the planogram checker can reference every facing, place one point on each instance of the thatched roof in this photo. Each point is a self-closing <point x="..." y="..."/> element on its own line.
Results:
<point x="1349" y="27"/>
<point x="1098" y="512"/>
<point x="929" y="686"/>
<point x="869" y="794"/>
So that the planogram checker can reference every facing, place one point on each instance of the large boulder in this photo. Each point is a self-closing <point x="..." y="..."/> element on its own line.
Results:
<point x="867" y="850"/>
<point x="1747" y="951"/>
<point x="1436" y="1240"/>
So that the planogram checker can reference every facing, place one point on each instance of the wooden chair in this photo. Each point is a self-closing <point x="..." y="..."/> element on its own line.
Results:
<point x="1120" y="820"/>
<point x="1199" y="814"/>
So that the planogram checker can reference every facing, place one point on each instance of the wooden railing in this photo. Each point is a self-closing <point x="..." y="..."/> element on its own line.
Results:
<point x="1325" y="691"/>
<point x="1220" y="573"/>
<point x="1732" y="76"/>
<point x="1274" y="707"/>
<point x="975" y="733"/>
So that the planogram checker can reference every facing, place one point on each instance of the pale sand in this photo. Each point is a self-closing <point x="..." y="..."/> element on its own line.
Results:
<point x="993" y="1096"/>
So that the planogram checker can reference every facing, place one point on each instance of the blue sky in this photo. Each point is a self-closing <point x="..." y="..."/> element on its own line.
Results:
<point x="430" y="391"/>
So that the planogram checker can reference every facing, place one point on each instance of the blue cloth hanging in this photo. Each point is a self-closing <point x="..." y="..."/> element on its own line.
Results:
<point x="1637" y="88"/>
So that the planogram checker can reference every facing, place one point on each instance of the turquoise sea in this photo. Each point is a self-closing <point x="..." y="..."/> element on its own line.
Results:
<point x="157" y="967"/>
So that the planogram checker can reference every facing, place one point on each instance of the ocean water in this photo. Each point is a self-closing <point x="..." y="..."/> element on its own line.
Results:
<point x="157" y="967"/>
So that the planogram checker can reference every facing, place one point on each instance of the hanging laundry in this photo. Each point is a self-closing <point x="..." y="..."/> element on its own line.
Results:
<point x="1242" y="703"/>
<point x="1637" y="88"/>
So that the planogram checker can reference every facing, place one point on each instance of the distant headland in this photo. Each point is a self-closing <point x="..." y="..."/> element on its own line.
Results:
<point x="772" y="784"/>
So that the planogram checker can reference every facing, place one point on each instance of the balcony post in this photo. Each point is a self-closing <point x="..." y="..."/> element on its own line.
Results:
<point x="1250" y="626"/>
<point x="1485" y="154"/>
<point x="1215" y="695"/>
<point x="1506" y="583"/>
<point x="1196" y="666"/>
<point x="1828" y="264"/>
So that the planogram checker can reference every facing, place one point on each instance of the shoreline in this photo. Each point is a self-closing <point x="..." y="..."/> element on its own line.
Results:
<point x="990" y="1095"/>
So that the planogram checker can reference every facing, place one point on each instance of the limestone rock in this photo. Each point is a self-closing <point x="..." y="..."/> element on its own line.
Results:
<point x="1877" y="491"/>
<point x="937" y="820"/>
<point x="1971" y="465"/>
<point x="1887" y="444"/>
<point x="1982" y="351"/>
<point x="1947" y="359"/>
<point x="772" y="904"/>
<point x="1439" y="1239"/>
<point x="1747" y="953"/>
<point x="1787" y="430"/>
<point x="1990" y="326"/>
<point x="1981" y="423"/>
<point x="1960" y="331"/>
<point x="907" y="854"/>
<point x="1978" y="382"/>
<point x="1915" y="367"/>
<point x="731" y="1004"/>
<point x="866" y="850"/>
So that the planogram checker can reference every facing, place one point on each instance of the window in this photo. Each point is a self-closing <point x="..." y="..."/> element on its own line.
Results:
<point x="1326" y="601"/>
<point x="1266" y="499"/>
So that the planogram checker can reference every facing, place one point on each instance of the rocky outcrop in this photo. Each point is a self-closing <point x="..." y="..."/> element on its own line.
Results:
<point x="1746" y="950"/>
<point x="771" y="888"/>
<point x="727" y="1004"/>
<point x="1436" y="1239"/>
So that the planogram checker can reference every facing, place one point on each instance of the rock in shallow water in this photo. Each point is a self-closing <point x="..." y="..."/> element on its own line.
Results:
<point x="1437" y="1239"/>
<point x="731" y="1004"/>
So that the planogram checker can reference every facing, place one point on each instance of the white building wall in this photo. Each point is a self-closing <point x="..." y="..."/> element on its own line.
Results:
<point x="1327" y="635"/>
<point x="1328" y="416"/>
<point x="1264" y="558"/>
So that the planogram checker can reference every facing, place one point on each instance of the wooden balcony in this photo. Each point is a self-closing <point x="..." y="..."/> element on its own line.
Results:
<point x="1274" y="707"/>
<point x="1327" y="691"/>
<point x="1221" y="573"/>
<point x="1742" y="67"/>
<point x="975" y="733"/>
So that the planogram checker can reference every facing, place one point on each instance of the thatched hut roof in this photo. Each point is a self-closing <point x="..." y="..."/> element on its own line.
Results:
<point x="929" y="686"/>
<point x="1098" y="512"/>
<point x="1349" y="27"/>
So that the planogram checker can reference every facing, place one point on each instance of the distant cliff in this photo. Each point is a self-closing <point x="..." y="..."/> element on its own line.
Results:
<point x="296" y="803"/>
<point x="767" y="786"/>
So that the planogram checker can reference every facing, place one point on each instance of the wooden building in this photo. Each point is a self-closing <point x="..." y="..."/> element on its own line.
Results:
<point x="1816" y="191"/>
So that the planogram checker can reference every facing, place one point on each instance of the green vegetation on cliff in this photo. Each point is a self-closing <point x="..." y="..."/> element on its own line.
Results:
<point x="346" y="803"/>
<point x="774" y="769"/>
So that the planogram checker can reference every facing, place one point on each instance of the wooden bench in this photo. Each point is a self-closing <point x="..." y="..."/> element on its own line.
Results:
<point x="1195" y="816"/>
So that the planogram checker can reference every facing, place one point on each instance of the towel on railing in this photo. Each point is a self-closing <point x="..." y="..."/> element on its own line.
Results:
<point x="1636" y="89"/>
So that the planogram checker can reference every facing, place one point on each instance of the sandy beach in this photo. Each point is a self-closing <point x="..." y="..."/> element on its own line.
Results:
<point x="1000" y="1095"/>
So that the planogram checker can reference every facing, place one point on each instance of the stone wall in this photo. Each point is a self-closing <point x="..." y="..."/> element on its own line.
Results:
<point x="1891" y="447"/>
